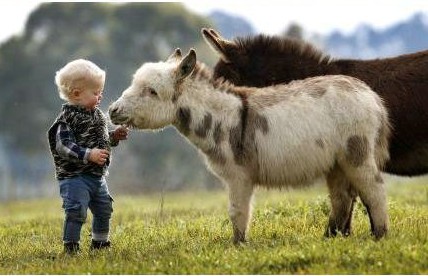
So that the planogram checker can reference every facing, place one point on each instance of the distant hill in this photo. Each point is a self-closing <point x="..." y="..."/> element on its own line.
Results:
<point x="366" y="42"/>
<point x="231" y="26"/>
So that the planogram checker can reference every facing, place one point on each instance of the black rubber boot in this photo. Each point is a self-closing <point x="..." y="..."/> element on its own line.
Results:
<point x="71" y="247"/>
<point x="100" y="244"/>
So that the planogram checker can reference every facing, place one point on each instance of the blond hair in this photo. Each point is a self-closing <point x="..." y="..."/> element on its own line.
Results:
<point x="76" y="75"/>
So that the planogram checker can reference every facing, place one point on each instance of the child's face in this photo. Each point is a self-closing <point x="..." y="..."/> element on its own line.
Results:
<point x="90" y="96"/>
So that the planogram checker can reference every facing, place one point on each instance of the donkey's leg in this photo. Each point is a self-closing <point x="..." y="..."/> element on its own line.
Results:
<point x="240" y="195"/>
<point x="342" y="197"/>
<point x="368" y="183"/>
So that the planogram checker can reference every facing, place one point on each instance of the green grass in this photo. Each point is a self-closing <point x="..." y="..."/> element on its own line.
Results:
<point x="190" y="233"/>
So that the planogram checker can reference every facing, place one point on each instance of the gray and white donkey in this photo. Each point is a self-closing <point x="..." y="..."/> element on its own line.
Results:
<point x="278" y="136"/>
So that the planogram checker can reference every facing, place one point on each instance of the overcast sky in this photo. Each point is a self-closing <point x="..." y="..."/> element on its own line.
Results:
<point x="268" y="16"/>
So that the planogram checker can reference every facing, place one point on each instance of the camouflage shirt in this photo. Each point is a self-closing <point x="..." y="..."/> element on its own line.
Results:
<point x="71" y="137"/>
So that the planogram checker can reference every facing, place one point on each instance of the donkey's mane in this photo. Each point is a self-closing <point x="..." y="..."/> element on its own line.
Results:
<point x="201" y="71"/>
<point x="276" y="45"/>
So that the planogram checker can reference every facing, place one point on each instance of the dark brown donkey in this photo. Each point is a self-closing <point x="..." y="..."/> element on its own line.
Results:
<point x="402" y="82"/>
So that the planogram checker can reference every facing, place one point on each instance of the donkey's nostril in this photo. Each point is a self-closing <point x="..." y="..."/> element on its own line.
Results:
<point x="112" y="110"/>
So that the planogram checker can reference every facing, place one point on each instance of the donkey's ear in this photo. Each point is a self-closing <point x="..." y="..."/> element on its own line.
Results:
<point x="214" y="33"/>
<point x="217" y="43"/>
<point x="186" y="66"/>
<point x="174" y="56"/>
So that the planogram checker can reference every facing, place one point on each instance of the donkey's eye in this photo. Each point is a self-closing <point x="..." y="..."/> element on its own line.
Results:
<point x="152" y="92"/>
<point x="148" y="91"/>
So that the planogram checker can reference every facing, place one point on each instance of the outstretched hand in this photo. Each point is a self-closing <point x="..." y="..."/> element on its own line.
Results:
<point x="98" y="156"/>
<point x="120" y="133"/>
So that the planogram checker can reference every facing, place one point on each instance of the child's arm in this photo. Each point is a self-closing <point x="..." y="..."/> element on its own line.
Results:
<point x="66" y="145"/>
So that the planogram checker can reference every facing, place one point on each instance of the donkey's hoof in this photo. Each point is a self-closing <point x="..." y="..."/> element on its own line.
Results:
<point x="240" y="239"/>
<point x="239" y="242"/>
<point x="334" y="232"/>
<point x="380" y="233"/>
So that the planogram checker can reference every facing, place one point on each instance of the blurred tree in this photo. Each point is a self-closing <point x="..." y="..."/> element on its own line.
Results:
<point x="119" y="38"/>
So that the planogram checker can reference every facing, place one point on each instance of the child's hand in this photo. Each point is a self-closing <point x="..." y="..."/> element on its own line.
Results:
<point x="120" y="133"/>
<point x="98" y="156"/>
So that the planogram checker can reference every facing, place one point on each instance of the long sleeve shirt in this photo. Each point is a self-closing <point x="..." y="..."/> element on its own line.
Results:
<point x="72" y="136"/>
<point x="66" y="145"/>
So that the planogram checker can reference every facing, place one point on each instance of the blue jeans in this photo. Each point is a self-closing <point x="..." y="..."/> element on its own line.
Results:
<point x="79" y="193"/>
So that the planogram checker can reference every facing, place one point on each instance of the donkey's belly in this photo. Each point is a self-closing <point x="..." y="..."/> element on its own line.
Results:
<point x="292" y="164"/>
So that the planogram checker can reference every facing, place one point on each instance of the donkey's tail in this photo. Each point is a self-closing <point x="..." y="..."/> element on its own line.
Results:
<point x="382" y="141"/>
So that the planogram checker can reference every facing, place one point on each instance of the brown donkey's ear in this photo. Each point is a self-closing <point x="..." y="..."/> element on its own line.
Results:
<point x="186" y="66"/>
<point x="217" y="43"/>
<point x="174" y="56"/>
<point x="214" y="33"/>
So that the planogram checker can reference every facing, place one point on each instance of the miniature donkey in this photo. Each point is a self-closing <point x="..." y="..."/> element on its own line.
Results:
<point x="278" y="136"/>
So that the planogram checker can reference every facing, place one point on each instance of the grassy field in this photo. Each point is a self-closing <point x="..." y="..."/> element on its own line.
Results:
<point x="190" y="233"/>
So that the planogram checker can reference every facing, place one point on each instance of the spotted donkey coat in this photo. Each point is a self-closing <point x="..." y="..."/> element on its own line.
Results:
<point x="284" y="135"/>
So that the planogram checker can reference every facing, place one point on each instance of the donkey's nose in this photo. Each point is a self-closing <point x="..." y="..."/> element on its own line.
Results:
<point x="113" y="111"/>
<point x="113" y="107"/>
